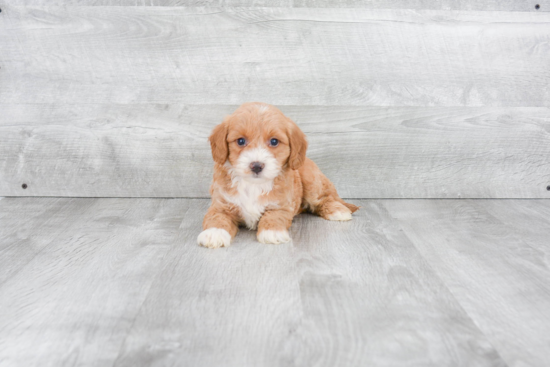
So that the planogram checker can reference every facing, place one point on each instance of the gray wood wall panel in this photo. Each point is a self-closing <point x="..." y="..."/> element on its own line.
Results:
<point x="118" y="101"/>
<point x="149" y="150"/>
<point x="499" y="5"/>
<point x="298" y="56"/>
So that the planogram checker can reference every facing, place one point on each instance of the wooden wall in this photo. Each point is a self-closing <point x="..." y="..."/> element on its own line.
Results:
<point x="425" y="100"/>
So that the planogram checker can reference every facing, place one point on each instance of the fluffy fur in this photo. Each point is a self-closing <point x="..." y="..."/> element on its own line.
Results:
<point x="288" y="183"/>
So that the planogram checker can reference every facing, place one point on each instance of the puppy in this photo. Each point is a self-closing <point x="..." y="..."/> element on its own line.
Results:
<point x="262" y="178"/>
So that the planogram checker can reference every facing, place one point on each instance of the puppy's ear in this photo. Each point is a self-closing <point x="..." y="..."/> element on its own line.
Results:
<point x="218" y="142"/>
<point x="298" y="146"/>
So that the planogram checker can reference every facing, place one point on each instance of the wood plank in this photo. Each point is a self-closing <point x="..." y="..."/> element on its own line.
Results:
<point x="498" y="271"/>
<point x="108" y="150"/>
<point x="500" y="5"/>
<point x="283" y="56"/>
<point x="74" y="302"/>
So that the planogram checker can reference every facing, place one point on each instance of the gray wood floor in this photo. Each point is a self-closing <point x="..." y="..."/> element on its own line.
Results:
<point x="121" y="282"/>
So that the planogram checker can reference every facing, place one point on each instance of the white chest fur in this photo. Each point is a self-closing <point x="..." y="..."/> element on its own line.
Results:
<point x="250" y="200"/>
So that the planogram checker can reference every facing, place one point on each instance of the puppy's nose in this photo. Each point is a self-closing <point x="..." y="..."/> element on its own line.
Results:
<point x="256" y="167"/>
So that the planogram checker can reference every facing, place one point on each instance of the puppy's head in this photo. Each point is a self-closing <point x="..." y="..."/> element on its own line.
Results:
<point x="258" y="141"/>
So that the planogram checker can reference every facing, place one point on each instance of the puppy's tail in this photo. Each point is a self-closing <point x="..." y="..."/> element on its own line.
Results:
<point x="351" y="207"/>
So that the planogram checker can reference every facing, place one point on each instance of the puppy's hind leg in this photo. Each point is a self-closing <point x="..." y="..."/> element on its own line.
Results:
<point x="320" y="195"/>
<point x="332" y="209"/>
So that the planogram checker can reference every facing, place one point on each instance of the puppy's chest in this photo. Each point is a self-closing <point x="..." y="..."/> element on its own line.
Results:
<point x="252" y="203"/>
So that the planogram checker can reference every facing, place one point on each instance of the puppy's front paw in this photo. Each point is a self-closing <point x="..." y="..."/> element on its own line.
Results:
<point x="214" y="238"/>
<point x="340" y="215"/>
<point x="270" y="236"/>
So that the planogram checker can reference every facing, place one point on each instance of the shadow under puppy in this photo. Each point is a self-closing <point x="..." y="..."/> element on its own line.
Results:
<point x="262" y="178"/>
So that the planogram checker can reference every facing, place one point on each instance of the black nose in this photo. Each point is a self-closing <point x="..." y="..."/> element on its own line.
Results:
<point x="256" y="167"/>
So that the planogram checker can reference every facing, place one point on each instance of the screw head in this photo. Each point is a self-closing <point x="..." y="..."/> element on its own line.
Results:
<point x="537" y="6"/>
<point x="24" y="186"/>
<point x="548" y="187"/>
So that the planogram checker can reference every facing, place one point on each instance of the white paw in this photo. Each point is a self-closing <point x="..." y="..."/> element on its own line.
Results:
<point x="270" y="236"/>
<point x="214" y="238"/>
<point x="340" y="216"/>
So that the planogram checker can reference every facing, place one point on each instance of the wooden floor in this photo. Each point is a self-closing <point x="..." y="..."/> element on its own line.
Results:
<point x="121" y="282"/>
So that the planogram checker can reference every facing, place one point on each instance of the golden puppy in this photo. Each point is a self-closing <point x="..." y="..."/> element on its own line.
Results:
<point x="262" y="178"/>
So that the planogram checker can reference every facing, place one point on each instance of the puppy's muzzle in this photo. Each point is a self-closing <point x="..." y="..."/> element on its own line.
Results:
<point x="256" y="167"/>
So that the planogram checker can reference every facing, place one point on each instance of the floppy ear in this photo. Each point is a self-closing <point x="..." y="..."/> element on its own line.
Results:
<point x="218" y="142"/>
<point x="298" y="146"/>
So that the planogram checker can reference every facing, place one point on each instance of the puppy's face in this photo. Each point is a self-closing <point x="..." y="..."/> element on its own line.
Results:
<point x="258" y="141"/>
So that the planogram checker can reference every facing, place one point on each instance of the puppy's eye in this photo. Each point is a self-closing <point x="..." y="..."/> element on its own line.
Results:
<point x="274" y="142"/>
<point x="241" y="142"/>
